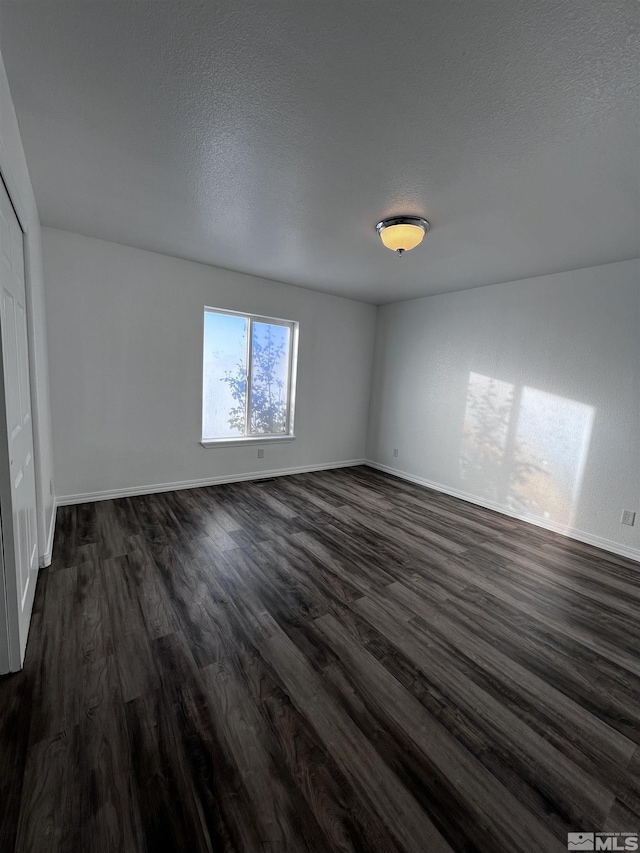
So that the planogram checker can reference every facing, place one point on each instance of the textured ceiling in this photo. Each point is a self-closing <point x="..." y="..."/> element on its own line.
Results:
<point x="270" y="137"/>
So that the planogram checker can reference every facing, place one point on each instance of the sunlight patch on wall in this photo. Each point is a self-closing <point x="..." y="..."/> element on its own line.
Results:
<point x="486" y="426"/>
<point x="525" y="448"/>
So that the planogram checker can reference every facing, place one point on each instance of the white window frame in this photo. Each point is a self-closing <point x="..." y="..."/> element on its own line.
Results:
<point x="292" y="369"/>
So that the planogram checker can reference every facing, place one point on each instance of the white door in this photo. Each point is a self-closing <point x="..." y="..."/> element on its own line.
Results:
<point x="17" y="478"/>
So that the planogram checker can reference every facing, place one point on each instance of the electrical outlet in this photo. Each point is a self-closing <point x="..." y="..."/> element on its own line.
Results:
<point x="628" y="517"/>
<point x="395" y="451"/>
<point x="261" y="453"/>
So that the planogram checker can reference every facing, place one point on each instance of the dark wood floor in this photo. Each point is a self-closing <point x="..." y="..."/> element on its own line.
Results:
<point x="331" y="661"/>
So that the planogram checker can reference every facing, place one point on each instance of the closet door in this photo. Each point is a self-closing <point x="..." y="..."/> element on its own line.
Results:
<point x="17" y="477"/>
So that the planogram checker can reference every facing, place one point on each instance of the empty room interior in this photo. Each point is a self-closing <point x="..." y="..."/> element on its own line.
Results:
<point x="319" y="426"/>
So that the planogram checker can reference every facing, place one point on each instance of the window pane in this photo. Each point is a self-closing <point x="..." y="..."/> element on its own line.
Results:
<point x="225" y="375"/>
<point x="269" y="379"/>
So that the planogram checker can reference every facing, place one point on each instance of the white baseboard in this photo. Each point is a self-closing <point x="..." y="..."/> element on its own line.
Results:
<point x="45" y="559"/>
<point x="90" y="497"/>
<point x="570" y="532"/>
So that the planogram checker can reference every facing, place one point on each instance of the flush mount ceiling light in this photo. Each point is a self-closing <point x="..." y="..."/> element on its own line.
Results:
<point x="402" y="233"/>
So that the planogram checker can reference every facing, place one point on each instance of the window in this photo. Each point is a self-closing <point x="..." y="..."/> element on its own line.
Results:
<point x="248" y="385"/>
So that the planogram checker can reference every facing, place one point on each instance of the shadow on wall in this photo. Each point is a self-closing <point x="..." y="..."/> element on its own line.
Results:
<point x="524" y="448"/>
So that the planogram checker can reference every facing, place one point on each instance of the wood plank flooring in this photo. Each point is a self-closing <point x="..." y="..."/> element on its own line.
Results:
<point x="336" y="661"/>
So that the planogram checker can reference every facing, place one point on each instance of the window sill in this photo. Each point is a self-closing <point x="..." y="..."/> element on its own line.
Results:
<point x="238" y="442"/>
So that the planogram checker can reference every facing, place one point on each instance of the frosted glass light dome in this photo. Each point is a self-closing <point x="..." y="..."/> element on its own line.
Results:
<point x="402" y="233"/>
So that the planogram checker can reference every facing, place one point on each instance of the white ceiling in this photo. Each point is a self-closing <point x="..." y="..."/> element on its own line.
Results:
<point x="270" y="137"/>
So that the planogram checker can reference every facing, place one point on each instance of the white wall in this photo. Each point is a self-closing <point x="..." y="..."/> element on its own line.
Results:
<point x="15" y="173"/>
<point x="567" y="348"/>
<point x="125" y="342"/>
